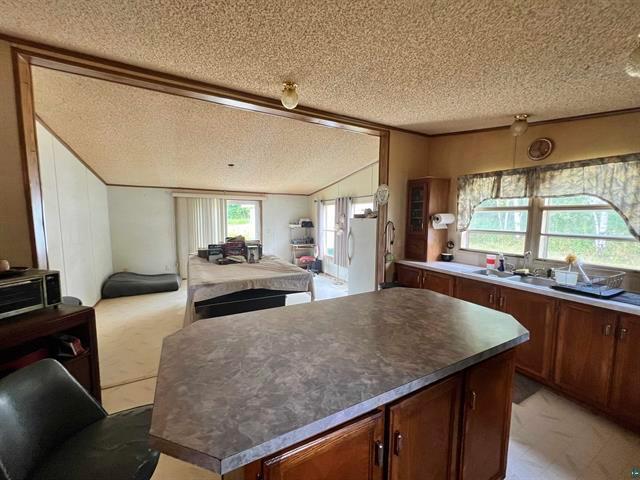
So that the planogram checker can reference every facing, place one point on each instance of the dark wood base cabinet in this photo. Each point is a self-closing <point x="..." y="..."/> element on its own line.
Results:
<point x="586" y="353"/>
<point x="455" y="429"/>
<point x="355" y="451"/>
<point x="29" y="337"/>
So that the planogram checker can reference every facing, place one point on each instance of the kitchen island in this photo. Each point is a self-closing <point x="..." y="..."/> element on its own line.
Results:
<point x="363" y="386"/>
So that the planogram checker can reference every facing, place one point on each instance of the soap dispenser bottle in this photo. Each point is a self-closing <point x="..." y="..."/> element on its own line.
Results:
<point x="501" y="263"/>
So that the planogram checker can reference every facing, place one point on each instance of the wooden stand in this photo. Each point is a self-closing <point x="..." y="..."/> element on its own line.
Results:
<point x="33" y="332"/>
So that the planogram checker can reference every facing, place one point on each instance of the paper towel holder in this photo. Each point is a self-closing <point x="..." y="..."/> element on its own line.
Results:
<point x="441" y="220"/>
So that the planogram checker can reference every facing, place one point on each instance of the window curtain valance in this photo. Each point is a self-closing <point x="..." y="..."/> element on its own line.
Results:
<point x="615" y="180"/>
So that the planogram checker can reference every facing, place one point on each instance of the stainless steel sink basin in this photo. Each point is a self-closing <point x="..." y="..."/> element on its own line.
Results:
<point x="493" y="273"/>
<point x="543" y="282"/>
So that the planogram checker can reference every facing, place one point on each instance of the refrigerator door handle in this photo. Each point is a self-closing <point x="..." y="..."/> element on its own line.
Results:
<point x="349" y="246"/>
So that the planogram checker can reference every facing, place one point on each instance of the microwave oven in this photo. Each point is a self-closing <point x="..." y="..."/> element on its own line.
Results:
<point x="30" y="290"/>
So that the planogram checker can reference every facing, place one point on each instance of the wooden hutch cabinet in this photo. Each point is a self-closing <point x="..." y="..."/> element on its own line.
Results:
<point x="426" y="197"/>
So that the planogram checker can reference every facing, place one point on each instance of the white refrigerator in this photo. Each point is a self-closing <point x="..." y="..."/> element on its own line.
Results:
<point x="361" y="248"/>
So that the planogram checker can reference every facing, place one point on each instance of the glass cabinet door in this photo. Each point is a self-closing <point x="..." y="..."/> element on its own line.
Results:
<point x="417" y="194"/>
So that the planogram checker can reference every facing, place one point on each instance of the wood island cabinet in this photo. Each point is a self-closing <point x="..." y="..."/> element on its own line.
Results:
<point x="537" y="314"/>
<point x="354" y="451"/>
<point x="423" y="433"/>
<point x="480" y="293"/>
<point x="585" y="351"/>
<point x="487" y="418"/>
<point x="625" y="389"/>
<point x="456" y="428"/>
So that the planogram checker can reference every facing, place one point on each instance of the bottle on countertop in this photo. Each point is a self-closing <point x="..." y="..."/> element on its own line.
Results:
<point x="501" y="263"/>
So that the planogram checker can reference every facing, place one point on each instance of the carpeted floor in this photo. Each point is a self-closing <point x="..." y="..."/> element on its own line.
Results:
<point x="130" y="329"/>
<point x="130" y="332"/>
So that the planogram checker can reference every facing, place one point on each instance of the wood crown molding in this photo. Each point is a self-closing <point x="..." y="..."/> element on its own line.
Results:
<point x="587" y="116"/>
<point x="74" y="62"/>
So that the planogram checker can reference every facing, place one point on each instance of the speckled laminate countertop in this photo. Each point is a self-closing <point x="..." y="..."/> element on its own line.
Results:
<point x="466" y="271"/>
<point x="235" y="389"/>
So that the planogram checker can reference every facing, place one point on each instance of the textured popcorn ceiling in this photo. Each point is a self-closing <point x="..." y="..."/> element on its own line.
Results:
<point x="432" y="66"/>
<point x="138" y="137"/>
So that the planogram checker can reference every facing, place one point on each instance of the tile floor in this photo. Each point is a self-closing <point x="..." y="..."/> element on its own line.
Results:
<point x="551" y="437"/>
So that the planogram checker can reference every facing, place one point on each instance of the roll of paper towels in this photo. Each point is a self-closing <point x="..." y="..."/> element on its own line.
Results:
<point x="441" y="220"/>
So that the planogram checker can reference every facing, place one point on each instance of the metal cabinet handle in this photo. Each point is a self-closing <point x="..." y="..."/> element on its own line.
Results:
<point x="379" y="453"/>
<point x="491" y="298"/>
<point x="607" y="330"/>
<point x="623" y="333"/>
<point x="397" y="444"/>
<point x="474" y="400"/>
<point x="501" y="302"/>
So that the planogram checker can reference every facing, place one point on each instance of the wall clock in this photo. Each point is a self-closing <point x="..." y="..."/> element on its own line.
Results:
<point x="540" y="149"/>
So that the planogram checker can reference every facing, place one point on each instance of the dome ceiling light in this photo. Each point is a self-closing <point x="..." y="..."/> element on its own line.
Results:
<point x="289" y="95"/>
<point x="519" y="125"/>
<point x="633" y="63"/>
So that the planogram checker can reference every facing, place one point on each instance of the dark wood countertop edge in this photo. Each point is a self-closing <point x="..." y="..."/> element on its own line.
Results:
<point x="235" y="461"/>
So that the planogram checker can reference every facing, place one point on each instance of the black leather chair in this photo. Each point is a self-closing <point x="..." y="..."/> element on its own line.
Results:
<point x="52" y="429"/>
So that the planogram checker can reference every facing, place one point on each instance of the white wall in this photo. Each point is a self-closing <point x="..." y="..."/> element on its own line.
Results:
<point x="277" y="212"/>
<point x="76" y="220"/>
<point x="143" y="233"/>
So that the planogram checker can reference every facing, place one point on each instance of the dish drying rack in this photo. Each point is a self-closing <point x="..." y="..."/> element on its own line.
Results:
<point x="599" y="282"/>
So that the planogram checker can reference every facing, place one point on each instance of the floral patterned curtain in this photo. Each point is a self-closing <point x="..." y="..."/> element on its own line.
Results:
<point x="615" y="180"/>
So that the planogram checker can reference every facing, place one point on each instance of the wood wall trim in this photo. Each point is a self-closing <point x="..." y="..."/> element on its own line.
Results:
<point x="588" y="116"/>
<point x="30" y="164"/>
<point x="68" y="147"/>
<point x="109" y="70"/>
<point x="383" y="178"/>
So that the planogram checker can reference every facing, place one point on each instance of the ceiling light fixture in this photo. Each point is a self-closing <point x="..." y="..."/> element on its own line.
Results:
<point x="289" y="95"/>
<point x="520" y="125"/>
<point x="633" y="63"/>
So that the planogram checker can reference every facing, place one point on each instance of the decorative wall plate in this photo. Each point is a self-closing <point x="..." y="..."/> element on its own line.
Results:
<point x="540" y="149"/>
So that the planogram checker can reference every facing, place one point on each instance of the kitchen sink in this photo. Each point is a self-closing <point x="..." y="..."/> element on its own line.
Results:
<point x="543" y="282"/>
<point x="493" y="273"/>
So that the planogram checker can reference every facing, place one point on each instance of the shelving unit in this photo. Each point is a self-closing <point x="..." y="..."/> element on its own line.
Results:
<point x="301" y="234"/>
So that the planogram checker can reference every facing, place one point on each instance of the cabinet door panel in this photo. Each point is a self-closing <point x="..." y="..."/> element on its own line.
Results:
<point x="438" y="282"/>
<point x="423" y="433"/>
<point x="537" y="314"/>
<point x="584" y="351"/>
<point x="349" y="452"/>
<point x="416" y="207"/>
<point x="487" y="417"/>
<point x="625" y="391"/>
<point x="409" y="276"/>
<point x="477" y="292"/>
